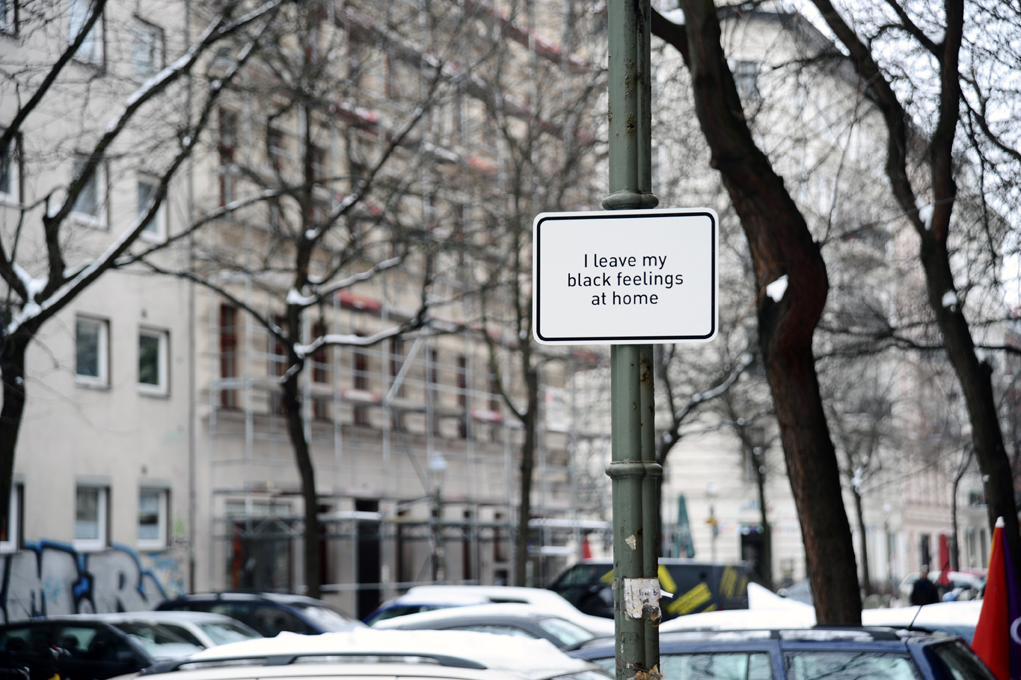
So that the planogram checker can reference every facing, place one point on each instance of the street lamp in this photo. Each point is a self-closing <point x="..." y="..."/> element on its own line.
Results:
<point x="437" y="467"/>
<point x="711" y="493"/>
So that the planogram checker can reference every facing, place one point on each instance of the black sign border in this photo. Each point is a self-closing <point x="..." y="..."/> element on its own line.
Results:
<point x="621" y="339"/>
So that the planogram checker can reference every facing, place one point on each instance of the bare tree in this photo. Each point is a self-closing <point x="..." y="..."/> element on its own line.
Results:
<point x="340" y="197"/>
<point x="953" y="97"/>
<point x="45" y="262"/>
<point x="791" y="286"/>
<point x="546" y="157"/>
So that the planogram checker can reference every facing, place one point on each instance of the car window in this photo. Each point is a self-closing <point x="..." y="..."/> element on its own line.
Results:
<point x="271" y="621"/>
<point x="29" y="640"/>
<point x="960" y="662"/>
<point x="183" y="633"/>
<point x="723" y="666"/>
<point x="565" y="631"/>
<point x="327" y="619"/>
<point x="94" y="644"/>
<point x="849" y="665"/>
<point x="241" y="611"/>
<point x="495" y="630"/>
<point x="222" y="632"/>
<point x="157" y="640"/>
<point x="402" y="610"/>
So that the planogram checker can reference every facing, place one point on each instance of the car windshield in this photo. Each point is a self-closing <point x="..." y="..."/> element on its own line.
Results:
<point x="849" y="665"/>
<point x="158" y="641"/>
<point x="223" y="632"/>
<point x="327" y="619"/>
<point x="565" y="631"/>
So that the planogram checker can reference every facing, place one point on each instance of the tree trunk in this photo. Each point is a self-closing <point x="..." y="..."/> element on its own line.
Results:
<point x="767" y="530"/>
<point x="12" y="368"/>
<point x="859" y="513"/>
<point x="521" y="539"/>
<point x="781" y="246"/>
<point x="303" y="457"/>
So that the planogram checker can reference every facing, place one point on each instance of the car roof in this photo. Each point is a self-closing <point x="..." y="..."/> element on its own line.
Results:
<point x="525" y="659"/>
<point x="841" y="635"/>
<point x="158" y="617"/>
<point x="743" y="619"/>
<point x="281" y="598"/>
<point x="505" y="612"/>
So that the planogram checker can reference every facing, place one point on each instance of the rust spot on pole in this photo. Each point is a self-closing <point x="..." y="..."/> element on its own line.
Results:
<point x="631" y="125"/>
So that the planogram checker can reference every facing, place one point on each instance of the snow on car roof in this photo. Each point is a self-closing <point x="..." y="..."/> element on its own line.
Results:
<point x="743" y="619"/>
<point x="480" y="610"/>
<point x="525" y="658"/>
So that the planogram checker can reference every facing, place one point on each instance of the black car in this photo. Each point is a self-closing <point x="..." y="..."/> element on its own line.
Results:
<point x="807" y="654"/>
<point x="85" y="650"/>
<point x="695" y="586"/>
<point x="268" y="613"/>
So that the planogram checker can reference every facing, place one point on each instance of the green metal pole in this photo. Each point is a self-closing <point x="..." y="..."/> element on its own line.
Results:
<point x="633" y="468"/>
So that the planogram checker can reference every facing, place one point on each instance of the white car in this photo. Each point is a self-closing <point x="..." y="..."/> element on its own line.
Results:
<point x="201" y="630"/>
<point x="522" y="620"/>
<point x="965" y="586"/>
<point x="542" y="600"/>
<point x="381" y="654"/>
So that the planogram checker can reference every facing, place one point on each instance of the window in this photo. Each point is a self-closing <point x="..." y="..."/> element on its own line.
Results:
<point x="10" y="170"/>
<point x="226" y="146"/>
<point x="10" y="535"/>
<point x="848" y="665"/>
<point x="152" y="518"/>
<point x="91" y="49"/>
<point x="228" y="353"/>
<point x="90" y="517"/>
<point x="88" y="205"/>
<point x="719" y="666"/>
<point x="152" y="362"/>
<point x="360" y="380"/>
<point x="91" y="351"/>
<point x="8" y="17"/>
<point x="154" y="229"/>
<point x="146" y="50"/>
<point x="746" y="74"/>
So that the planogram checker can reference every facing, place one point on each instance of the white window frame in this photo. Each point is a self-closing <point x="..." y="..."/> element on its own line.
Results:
<point x="99" y="177"/>
<point x="156" y="230"/>
<point x="13" y="542"/>
<point x="78" y="12"/>
<point x="103" y="350"/>
<point x="13" y="197"/>
<point x="162" y="387"/>
<point x="144" y="32"/>
<point x="162" y="521"/>
<point x="102" y="515"/>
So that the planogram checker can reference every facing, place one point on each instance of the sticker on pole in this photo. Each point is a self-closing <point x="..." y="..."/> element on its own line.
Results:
<point x="625" y="276"/>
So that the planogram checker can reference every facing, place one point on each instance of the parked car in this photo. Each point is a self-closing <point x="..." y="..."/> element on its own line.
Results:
<point x="808" y="654"/>
<point x="268" y="613"/>
<point x="952" y="618"/>
<point x="201" y="629"/>
<point x="521" y="620"/>
<point x="85" y="649"/>
<point x="368" y="653"/>
<point x="541" y="599"/>
<point x="414" y="602"/>
<point x="694" y="586"/>
<point x="963" y="585"/>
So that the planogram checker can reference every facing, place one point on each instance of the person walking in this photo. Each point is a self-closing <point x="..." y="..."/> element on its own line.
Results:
<point x="924" y="591"/>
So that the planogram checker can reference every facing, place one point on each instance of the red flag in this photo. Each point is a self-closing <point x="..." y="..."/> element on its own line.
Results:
<point x="944" y="562"/>
<point x="992" y="634"/>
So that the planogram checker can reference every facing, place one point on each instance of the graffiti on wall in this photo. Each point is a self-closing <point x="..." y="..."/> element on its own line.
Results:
<point x="49" y="578"/>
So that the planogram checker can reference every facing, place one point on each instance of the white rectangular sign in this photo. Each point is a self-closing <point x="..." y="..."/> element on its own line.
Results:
<point x="625" y="276"/>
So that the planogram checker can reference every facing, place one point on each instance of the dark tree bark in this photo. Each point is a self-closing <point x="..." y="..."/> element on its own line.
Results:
<point x="781" y="245"/>
<point x="974" y="375"/>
